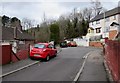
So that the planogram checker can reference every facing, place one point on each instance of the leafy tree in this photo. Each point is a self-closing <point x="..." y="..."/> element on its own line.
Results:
<point x="14" y="19"/>
<point x="69" y="29"/>
<point x="5" y="20"/>
<point x="54" y="30"/>
<point x="15" y="22"/>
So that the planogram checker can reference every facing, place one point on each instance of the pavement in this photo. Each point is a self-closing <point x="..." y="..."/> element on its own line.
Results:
<point x="92" y="69"/>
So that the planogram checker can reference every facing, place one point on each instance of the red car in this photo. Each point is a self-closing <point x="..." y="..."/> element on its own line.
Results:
<point x="43" y="51"/>
<point x="72" y="44"/>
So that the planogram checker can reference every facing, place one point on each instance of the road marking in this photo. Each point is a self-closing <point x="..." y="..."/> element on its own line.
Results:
<point x="86" y="56"/>
<point x="59" y="50"/>
<point x="109" y="75"/>
<point x="81" y="69"/>
<point x="19" y="69"/>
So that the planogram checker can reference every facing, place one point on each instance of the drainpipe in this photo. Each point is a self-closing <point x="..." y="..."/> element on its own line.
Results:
<point x="119" y="17"/>
<point x="118" y="34"/>
<point x="15" y="32"/>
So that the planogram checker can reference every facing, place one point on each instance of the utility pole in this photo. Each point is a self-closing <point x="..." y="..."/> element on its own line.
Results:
<point x="104" y="31"/>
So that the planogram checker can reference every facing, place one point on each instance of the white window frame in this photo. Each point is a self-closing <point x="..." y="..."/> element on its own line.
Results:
<point x="107" y="19"/>
<point x="114" y="17"/>
<point x="98" y="22"/>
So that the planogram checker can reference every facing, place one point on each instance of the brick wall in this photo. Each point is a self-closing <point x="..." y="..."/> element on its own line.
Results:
<point x="112" y="34"/>
<point x="95" y="44"/>
<point x="21" y="54"/>
<point x="112" y="57"/>
<point x="22" y="51"/>
<point x="6" y="54"/>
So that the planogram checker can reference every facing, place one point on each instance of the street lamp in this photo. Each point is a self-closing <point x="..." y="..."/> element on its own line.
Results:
<point x="104" y="24"/>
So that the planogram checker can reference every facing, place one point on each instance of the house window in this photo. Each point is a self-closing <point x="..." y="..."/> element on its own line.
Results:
<point x="88" y="31"/>
<point x="107" y="19"/>
<point x="107" y="29"/>
<point x="98" y="30"/>
<point x="21" y="42"/>
<point x="114" y="17"/>
<point x="92" y="23"/>
<point x="92" y="31"/>
<point x="98" y="22"/>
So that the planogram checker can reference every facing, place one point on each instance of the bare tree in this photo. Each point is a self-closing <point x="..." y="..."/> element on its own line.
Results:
<point x="42" y="33"/>
<point x="87" y="13"/>
<point x="62" y="27"/>
<point x="27" y="23"/>
<point x="97" y="7"/>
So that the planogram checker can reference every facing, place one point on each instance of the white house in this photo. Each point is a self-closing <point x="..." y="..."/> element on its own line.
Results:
<point x="101" y="24"/>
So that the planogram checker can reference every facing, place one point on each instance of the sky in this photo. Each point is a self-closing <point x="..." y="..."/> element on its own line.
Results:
<point x="35" y="9"/>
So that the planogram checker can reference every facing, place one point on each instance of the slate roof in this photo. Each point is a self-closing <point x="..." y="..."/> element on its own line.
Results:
<point x="107" y="14"/>
<point x="8" y="34"/>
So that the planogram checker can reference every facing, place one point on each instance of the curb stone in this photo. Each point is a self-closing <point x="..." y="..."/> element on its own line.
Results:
<point x="109" y="75"/>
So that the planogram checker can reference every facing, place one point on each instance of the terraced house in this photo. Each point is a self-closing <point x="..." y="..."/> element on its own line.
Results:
<point x="15" y="42"/>
<point x="101" y="25"/>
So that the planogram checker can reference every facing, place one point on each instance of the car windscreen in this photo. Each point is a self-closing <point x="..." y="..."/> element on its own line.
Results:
<point x="39" y="46"/>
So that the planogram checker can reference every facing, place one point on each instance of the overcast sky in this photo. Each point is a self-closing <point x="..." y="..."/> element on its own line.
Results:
<point x="35" y="9"/>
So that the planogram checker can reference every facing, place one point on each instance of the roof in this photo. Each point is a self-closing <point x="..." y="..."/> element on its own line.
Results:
<point x="91" y="28"/>
<point x="107" y="14"/>
<point x="8" y="34"/>
<point x="44" y="43"/>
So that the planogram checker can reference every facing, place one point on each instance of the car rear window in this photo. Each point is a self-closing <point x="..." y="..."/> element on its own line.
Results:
<point x="39" y="46"/>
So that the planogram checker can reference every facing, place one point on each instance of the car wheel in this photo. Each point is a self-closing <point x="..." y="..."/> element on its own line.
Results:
<point x="56" y="54"/>
<point x="47" y="58"/>
<point x="32" y="58"/>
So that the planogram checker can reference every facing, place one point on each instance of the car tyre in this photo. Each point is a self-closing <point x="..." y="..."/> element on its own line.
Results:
<point x="56" y="54"/>
<point x="47" y="58"/>
<point x="32" y="58"/>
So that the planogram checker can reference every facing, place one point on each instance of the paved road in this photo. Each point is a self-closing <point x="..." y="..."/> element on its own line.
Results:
<point x="64" y="67"/>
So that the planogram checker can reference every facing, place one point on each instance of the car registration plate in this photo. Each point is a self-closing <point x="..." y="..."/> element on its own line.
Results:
<point x="36" y="55"/>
